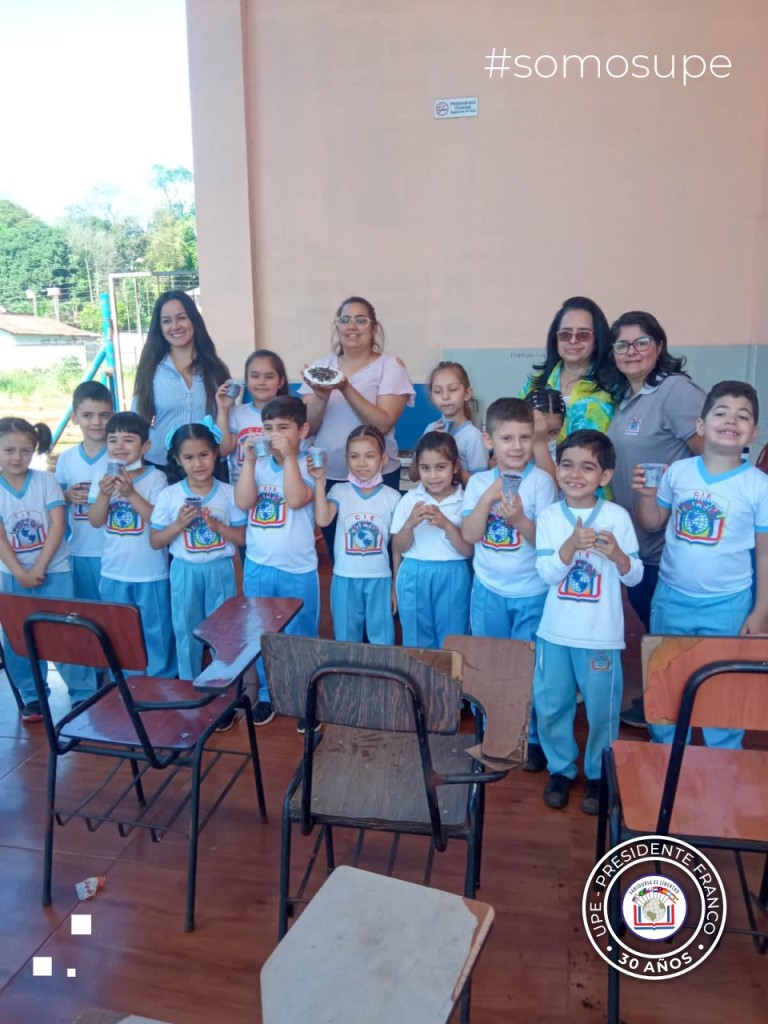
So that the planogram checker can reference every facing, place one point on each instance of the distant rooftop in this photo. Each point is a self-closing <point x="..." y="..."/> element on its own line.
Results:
<point x="24" y="323"/>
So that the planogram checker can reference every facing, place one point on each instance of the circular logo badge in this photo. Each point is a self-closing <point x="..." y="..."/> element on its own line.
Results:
<point x="648" y="889"/>
<point x="441" y="108"/>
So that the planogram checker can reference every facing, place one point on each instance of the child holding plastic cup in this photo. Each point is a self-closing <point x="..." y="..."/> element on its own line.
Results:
<point x="361" y="585"/>
<point x="201" y="524"/>
<point x="451" y="394"/>
<point x="431" y="560"/>
<point x="265" y="378"/>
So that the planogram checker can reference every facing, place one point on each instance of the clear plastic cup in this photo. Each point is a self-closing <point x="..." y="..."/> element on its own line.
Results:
<point x="448" y="425"/>
<point x="652" y="473"/>
<point x="262" y="446"/>
<point x="510" y="483"/>
<point x="194" y="501"/>
<point x="318" y="457"/>
<point x="234" y="387"/>
<point x="114" y="466"/>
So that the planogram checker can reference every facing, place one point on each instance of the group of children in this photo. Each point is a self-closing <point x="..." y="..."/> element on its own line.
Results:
<point x="525" y="550"/>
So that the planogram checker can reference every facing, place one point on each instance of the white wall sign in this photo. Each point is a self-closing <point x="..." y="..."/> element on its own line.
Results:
<point x="461" y="106"/>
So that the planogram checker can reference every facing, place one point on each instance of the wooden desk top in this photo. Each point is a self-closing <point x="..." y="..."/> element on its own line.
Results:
<point x="373" y="948"/>
<point x="233" y="632"/>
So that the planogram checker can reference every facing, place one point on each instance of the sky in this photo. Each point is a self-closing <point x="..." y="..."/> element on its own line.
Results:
<point x="92" y="94"/>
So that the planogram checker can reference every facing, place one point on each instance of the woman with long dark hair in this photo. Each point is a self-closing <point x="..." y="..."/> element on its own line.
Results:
<point x="178" y="373"/>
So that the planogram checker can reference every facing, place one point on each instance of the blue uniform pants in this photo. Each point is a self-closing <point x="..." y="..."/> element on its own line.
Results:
<point x="676" y="614"/>
<point x="86" y="573"/>
<point x="80" y="681"/>
<point x="559" y="670"/>
<point x="197" y="590"/>
<point x="359" y="604"/>
<point x="153" y="599"/>
<point x="433" y="601"/>
<point x="264" y="581"/>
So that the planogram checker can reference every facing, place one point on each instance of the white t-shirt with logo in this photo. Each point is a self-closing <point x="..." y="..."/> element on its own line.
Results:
<point x="504" y="561"/>
<point x="280" y="537"/>
<point x="25" y="516"/>
<point x="711" y="529"/>
<point x="199" y="542"/>
<point x="584" y="606"/>
<point x="75" y="467"/>
<point x="128" y="555"/>
<point x="362" y="530"/>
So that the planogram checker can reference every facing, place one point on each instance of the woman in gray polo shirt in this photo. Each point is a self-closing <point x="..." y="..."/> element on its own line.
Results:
<point x="655" y="422"/>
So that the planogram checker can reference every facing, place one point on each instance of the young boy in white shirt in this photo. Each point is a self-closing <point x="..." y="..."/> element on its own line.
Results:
<point x="585" y="549"/>
<point x="131" y="571"/>
<point x="715" y="507"/>
<point x="76" y="469"/>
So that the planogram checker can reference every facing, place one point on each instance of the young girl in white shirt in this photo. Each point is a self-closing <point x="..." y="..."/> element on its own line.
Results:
<point x="361" y="585"/>
<point x="431" y="559"/>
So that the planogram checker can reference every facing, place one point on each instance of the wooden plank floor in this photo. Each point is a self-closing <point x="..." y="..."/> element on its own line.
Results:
<point x="537" y="964"/>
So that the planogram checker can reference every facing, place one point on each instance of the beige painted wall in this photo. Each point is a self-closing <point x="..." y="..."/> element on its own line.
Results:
<point x="642" y="193"/>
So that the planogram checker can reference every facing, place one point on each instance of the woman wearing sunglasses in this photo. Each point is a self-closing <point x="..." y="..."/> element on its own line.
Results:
<point x="577" y="364"/>
<point x="374" y="390"/>
<point x="654" y="423"/>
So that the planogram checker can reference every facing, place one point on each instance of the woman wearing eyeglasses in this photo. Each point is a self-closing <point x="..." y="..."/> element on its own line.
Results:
<point x="374" y="390"/>
<point x="655" y="422"/>
<point x="577" y="364"/>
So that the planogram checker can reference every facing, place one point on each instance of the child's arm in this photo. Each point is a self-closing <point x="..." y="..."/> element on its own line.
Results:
<point x="246" y="490"/>
<point x="325" y="511"/>
<point x="162" y="537"/>
<point x="297" y="491"/>
<point x="125" y="488"/>
<point x="513" y="511"/>
<point x="224" y="405"/>
<point x="25" y="577"/>
<point x="757" y="620"/>
<point x="436" y="517"/>
<point x="649" y="515"/>
<point x="630" y="567"/>
<point x="473" y="525"/>
<point x="98" y="512"/>
<point x="53" y="539"/>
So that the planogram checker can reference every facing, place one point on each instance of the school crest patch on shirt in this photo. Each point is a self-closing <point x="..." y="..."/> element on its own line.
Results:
<point x="123" y="518"/>
<point x="362" y="535"/>
<point x="200" y="538"/>
<point x="270" y="508"/>
<point x="700" y="517"/>
<point x="500" y="535"/>
<point x="584" y="579"/>
<point x="26" y="532"/>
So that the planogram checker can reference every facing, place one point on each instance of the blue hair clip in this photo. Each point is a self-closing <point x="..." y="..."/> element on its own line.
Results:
<point x="207" y="422"/>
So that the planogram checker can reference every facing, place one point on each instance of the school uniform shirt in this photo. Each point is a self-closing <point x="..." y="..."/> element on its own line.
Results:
<point x="584" y="605"/>
<point x="504" y="561"/>
<point x="244" y="422"/>
<point x="280" y="537"/>
<point x="25" y="516"/>
<point x="472" y="451"/>
<point x="711" y="528"/>
<point x="75" y="467"/>
<point x="362" y="530"/>
<point x="128" y="555"/>
<point x="385" y="375"/>
<point x="430" y="543"/>
<point x="652" y="425"/>
<point x="199" y="542"/>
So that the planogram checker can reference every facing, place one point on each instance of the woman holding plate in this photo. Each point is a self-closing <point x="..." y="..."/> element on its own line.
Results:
<point x="368" y="387"/>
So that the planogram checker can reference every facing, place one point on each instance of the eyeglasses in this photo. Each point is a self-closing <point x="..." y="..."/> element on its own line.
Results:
<point x="358" y="321"/>
<point x="639" y="345"/>
<point x="583" y="334"/>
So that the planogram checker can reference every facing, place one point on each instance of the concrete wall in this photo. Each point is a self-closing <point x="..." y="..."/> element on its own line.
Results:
<point x="321" y="172"/>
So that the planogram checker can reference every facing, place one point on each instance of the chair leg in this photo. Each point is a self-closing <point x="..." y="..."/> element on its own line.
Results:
<point x="480" y="834"/>
<point x="194" y="828"/>
<point x="137" y="783"/>
<point x="248" y="707"/>
<point x="49" y="826"/>
<point x="285" y="872"/>
<point x="472" y="868"/>
<point x="466" y="1000"/>
<point x="614" y="975"/>
<point x="330" y="859"/>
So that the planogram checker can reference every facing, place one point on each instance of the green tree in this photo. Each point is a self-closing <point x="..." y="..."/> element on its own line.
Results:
<point x="32" y="255"/>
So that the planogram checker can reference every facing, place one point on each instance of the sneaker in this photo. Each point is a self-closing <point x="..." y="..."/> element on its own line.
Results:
<point x="301" y="726"/>
<point x="537" y="759"/>
<point x="263" y="713"/>
<point x="590" y="802"/>
<point x="558" y="791"/>
<point x="32" y="712"/>
<point x="634" y="715"/>
<point x="227" y="723"/>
